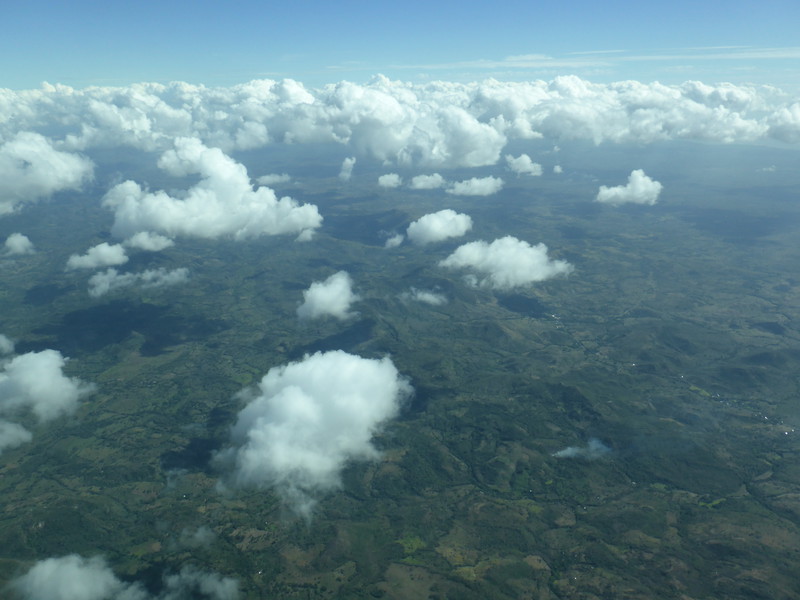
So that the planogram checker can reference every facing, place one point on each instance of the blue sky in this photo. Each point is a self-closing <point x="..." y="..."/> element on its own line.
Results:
<point x="84" y="43"/>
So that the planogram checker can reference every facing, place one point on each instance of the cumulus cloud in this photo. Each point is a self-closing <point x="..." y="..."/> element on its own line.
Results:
<point x="427" y="182"/>
<point x="31" y="168"/>
<point x="593" y="450"/>
<point x="35" y="383"/>
<point x="347" y="168"/>
<point x="111" y="280"/>
<point x="438" y="226"/>
<point x="273" y="178"/>
<point x="102" y="255"/>
<point x="6" y="345"/>
<point x="476" y="186"/>
<point x="425" y="296"/>
<point x="640" y="189"/>
<point x="394" y="241"/>
<point x="330" y="297"/>
<point x="558" y="170"/>
<point x="74" y="577"/>
<point x="223" y="203"/>
<point x="307" y="419"/>
<point x="17" y="243"/>
<point x="523" y="165"/>
<point x="390" y="180"/>
<point x="506" y="263"/>
<point x="151" y="242"/>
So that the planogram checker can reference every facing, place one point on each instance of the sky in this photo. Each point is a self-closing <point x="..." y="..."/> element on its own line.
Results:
<point x="86" y="43"/>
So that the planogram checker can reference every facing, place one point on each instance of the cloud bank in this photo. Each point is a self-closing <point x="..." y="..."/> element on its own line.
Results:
<point x="640" y="189"/>
<point x="506" y="263"/>
<point x="35" y="383"/>
<point x="74" y="577"/>
<point x="438" y="226"/>
<point x="223" y="203"/>
<point x="307" y="419"/>
<point x="331" y="297"/>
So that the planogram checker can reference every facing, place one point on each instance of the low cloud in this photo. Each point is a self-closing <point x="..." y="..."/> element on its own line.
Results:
<point x="438" y="226"/>
<point x="593" y="450"/>
<point x="17" y="243"/>
<point x="558" y="170"/>
<point x="331" y="297"/>
<point x="393" y="241"/>
<point x="273" y="178"/>
<point x="151" y="242"/>
<point x="523" y="165"/>
<point x="390" y="180"/>
<point x="477" y="186"/>
<point x="222" y="203"/>
<point x="347" y="168"/>
<point x="74" y="577"/>
<point x="102" y="255"/>
<point x="506" y="263"/>
<point x="6" y="345"/>
<point x="640" y="189"/>
<point x="305" y="420"/>
<point x="31" y="169"/>
<point x="111" y="280"/>
<point x="427" y="182"/>
<point x="425" y="296"/>
<point x="35" y="383"/>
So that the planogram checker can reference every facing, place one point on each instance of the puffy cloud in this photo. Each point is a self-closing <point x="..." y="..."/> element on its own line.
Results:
<point x="273" y="178"/>
<point x="223" y="203"/>
<point x="594" y="450"/>
<point x="427" y="182"/>
<point x="523" y="165"/>
<point x="507" y="262"/>
<point x="425" y="296"/>
<point x="558" y="170"/>
<point x="390" y="180"/>
<point x="74" y="577"/>
<point x="307" y="419"/>
<point x="347" y="168"/>
<point x="110" y="280"/>
<point x="102" y="255"/>
<point x="35" y="382"/>
<point x="438" y="226"/>
<point x="152" y="242"/>
<point x="640" y="189"/>
<point x="394" y="241"/>
<point x="17" y="243"/>
<point x="30" y="169"/>
<point x="6" y="345"/>
<point x="330" y="297"/>
<point x="477" y="186"/>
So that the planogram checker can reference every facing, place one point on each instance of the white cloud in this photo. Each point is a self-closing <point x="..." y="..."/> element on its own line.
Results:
<point x="30" y="169"/>
<point x="506" y="263"/>
<point x="307" y="419"/>
<point x="594" y="449"/>
<point x="640" y="189"/>
<point x="102" y="255"/>
<point x="390" y="180"/>
<point x="394" y="241"/>
<point x="151" y="242"/>
<point x="425" y="296"/>
<point x="438" y="226"/>
<point x="347" y="168"/>
<point x="110" y="280"/>
<point x="477" y="186"/>
<point x="35" y="382"/>
<point x="74" y="577"/>
<point x="330" y="297"/>
<point x="427" y="182"/>
<point x="223" y="203"/>
<point x="6" y="345"/>
<point x="523" y="165"/>
<point x="273" y="178"/>
<point x="17" y="243"/>
<point x="558" y="170"/>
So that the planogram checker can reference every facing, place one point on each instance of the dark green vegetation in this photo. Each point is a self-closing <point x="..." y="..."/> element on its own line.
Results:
<point x="675" y="342"/>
